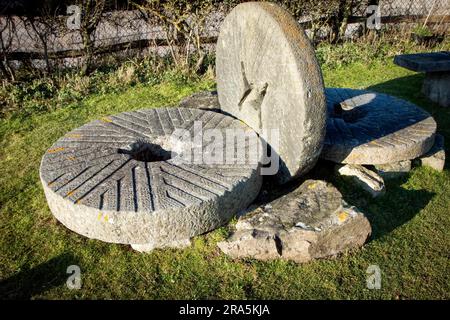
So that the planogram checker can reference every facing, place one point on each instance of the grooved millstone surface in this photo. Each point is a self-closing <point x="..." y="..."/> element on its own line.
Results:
<point x="96" y="188"/>
<point x="373" y="128"/>
<point x="268" y="76"/>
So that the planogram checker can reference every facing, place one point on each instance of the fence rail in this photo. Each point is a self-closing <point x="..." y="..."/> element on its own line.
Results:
<point x="47" y="41"/>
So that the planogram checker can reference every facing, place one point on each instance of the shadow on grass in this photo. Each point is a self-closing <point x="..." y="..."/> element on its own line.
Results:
<point x="390" y="211"/>
<point x="408" y="87"/>
<point x="36" y="280"/>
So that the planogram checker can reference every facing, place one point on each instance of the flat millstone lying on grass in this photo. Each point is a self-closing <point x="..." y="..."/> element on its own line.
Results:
<point x="309" y="223"/>
<point x="373" y="128"/>
<point x="268" y="76"/>
<point x="114" y="179"/>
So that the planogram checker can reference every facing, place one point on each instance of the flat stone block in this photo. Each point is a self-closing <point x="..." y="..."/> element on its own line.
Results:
<point x="309" y="223"/>
<point x="393" y="170"/>
<point x="435" y="158"/>
<point x="205" y="100"/>
<point x="436" y="87"/>
<point x="363" y="177"/>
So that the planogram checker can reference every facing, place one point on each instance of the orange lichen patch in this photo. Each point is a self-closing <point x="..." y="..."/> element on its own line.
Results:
<point x="342" y="216"/>
<point x="70" y="193"/>
<point x="106" y="119"/>
<point x="55" y="150"/>
<point x="312" y="186"/>
<point x="78" y="201"/>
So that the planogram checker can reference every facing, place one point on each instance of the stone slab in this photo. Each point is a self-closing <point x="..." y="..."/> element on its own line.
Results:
<point x="363" y="177"/>
<point x="436" y="87"/>
<point x="117" y="180"/>
<point x="309" y="223"/>
<point x="268" y="76"/>
<point x="365" y="127"/>
<point x="435" y="158"/>
<point x="425" y="62"/>
<point x="393" y="170"/>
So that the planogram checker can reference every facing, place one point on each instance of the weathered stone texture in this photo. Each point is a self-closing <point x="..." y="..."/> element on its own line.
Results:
<point x="393" y="170"/>
<point x="309" y="223"/>
<point x="268" y="76"/>
<point x="435" y="158"/>
<point x="363" y="177"/>
<point x="372" y="128"/>
<point x="115" y="179"/>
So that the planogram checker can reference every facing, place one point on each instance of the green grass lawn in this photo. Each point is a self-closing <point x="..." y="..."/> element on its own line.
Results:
<point x="410" y="240"/>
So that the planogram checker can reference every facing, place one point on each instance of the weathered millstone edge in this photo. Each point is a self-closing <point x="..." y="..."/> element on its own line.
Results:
<point x="264" y="236"/>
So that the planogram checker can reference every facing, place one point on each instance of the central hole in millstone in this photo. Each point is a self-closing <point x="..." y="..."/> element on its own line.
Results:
<point x="146" y="152"/>
<point x="347" y="114"/>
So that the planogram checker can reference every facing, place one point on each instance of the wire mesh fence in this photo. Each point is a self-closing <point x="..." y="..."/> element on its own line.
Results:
<point x="90" y="32"/>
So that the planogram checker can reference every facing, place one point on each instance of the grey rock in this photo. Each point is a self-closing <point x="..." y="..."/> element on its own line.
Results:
<point x="435" y="158"/>
<point x="309" y="223"/>
<point x="268" y="76"/>
<point x="373" y="128"/>
<point x="363" y="177"/>
<point x="117" y="179"/>
<point x="436" y="86"/>
<point x="205" y="100"/>
<point x="393" y="170"/>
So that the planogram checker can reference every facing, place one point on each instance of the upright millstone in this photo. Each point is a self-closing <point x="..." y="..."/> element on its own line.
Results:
<point x="268" y="77"/>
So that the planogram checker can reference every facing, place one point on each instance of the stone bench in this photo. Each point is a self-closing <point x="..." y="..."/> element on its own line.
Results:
<point x="436" y="66"/>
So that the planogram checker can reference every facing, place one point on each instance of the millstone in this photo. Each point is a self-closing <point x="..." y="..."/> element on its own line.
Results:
<point x="268" y="76"/>
<point x="374" y="128"/>
<point x="116" y="179"/>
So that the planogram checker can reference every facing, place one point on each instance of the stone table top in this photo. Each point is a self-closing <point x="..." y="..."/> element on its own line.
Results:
<point x="425" y="62"/>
